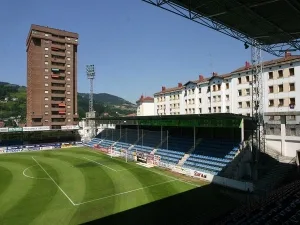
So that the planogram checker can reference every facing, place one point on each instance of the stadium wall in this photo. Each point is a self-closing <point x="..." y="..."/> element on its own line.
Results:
<point x="38" y="147"/>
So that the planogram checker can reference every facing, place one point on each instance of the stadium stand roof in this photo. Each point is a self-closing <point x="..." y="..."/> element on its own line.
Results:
<point x="225" y="120"/>
<point x="270" y="23"/>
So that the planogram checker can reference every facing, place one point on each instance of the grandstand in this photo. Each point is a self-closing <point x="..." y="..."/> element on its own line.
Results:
<point x="206" y="144"/>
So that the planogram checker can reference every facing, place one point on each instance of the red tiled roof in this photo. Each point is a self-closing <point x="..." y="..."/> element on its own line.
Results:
<point x="271" y="62"/>
<point x="145" y="99"/>
<point x="168" y="90"/>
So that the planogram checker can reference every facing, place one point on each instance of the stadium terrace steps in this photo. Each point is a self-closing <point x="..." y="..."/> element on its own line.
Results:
<point x="183" y="159"/>
<point x="212" y="156"/>
<point x="93" y="142"/>
<point x="172" y="157"/>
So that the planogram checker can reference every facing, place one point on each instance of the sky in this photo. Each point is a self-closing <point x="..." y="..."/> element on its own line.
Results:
<point x="136" y="48"/>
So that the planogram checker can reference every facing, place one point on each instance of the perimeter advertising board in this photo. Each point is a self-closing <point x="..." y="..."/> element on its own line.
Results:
<point x="42" y="128"/>
<point x="4" y="130"/>
<point x="2" y="150"/>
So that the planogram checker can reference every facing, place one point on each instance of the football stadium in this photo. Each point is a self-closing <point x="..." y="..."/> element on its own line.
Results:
<point x="181" y="167"/>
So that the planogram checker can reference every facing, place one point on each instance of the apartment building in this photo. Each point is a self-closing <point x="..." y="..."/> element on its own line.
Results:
<point x="51" y="77"/>
<point x="232" y="93"/>
<point x="145" y="106"/>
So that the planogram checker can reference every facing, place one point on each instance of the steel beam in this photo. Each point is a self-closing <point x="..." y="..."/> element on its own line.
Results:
<point x="208" y="21"/>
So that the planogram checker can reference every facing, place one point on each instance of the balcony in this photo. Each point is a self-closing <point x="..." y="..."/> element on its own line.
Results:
<point x="58" y="116"/>
<point x="62" y="111"/>
<point x="55" y="88"/>
<point x="72" y="41"/>
<point x="58" y="60"/>
<point x="55" y="68"/>
<point x="54" y="109"/>
<point x="57" y="102"/>
<point x="58" y="81"/>
<point x="58" y="53"/>
<point x="54" y="47"/>
<point x="58" y="95"/>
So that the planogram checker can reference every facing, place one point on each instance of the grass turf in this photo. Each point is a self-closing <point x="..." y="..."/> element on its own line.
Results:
<point x="80" y="185"/>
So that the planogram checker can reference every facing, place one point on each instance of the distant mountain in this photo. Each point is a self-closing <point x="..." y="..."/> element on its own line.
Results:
<point x="13" y="103"/>
<point x="107" y="99"/>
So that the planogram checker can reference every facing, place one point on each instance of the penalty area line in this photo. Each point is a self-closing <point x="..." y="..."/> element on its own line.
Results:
<point x="123" y="193"/>
<point x="100" y="164"/>
<point x="54" y="182"/>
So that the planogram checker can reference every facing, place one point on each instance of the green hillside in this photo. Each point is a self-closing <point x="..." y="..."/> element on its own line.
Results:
<point x="13" y="103"/>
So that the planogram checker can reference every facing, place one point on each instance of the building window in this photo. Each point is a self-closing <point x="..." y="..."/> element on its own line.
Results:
<point x="46" y="70"/>
<point x="68" y="65"/>
<point x="239" y="80"/>
<point x="292" y="101"/>
<point x="46" y="35"/>
<point x="227" y="85"/>
<point x="280" y="102"/>
<point x="227" y="109"/>
<point x="280" y="73"/>
<point x="227" y="97"/>
<point x="292" y="87"/>
<point x="215" y="109"/>
<point x="247" y="78"/>
<point x="209" y="109"/>
<point x="272" y="130"/>
<point x="292" y="71"/>
<point x="46" y="77"/>
<point x="293" y="131"/>
<point x="280" y="88"/>
<point x="46" y="106"/>
<point x="200" y="100"/>
<point x="46" y="92"/>
<point x="292" y="117"/>
<point x="46" y="98"/>
<point x="69" y="120"/>
<point x="46" y="63"/>
<point x="199" y="90"/>
<point x="69" y="114"/>
<point x="69" y="46"/>
<point x="46" y="56"/>
<point x="247" y="91"/>
<point x="68" y="85"/>
<point x="248" y="104"/>
<point x="240" y="104"/>
<point x="68" y="79"/>
<point x="219" y="109"/>
<point x="68" y="107"/>
<point x="46" y="85"/>
<point x="271" y="102"/>
<point x="68" y="58"/>
<point x="68" y="72"/>
<point x="68" y="52"/>
<point x="271" y="118"/>
<point x="239" y="92"/>
<point x="200" y="110"/>
<point x="46" y="113"/>
<point x="68" y="100"/>
<point x="271" y="89"/>
<point x="46" y="49"/>
<point x="208" y="99"/>
<point x="68" y="92"/>
<point x="271" y="76"/>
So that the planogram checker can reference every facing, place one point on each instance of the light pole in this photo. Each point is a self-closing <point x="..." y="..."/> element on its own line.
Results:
<point x="90" y="72"/>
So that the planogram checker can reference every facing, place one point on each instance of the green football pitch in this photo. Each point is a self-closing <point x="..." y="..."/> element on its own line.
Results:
<point x="80" y="185"/>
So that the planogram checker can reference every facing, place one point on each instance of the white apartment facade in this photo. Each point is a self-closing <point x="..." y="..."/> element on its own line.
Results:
<point x="145" y="106"/>
<point x="231" y="93"/>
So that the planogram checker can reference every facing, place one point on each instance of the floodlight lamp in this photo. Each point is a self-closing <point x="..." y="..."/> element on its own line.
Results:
<point x="246" y="45"/>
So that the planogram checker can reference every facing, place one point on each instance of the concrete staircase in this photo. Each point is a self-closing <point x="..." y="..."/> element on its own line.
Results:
<point x="153" y="151"/>
<point x="183" y="159"/>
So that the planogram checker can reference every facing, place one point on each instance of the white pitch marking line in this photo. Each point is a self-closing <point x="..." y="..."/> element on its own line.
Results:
<point x="100" y="164"/>
<point x="123" y="193"/>
<point x="38" y="178"/>
<point x="140" y="167"/>
<point x="54" y="182"/>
